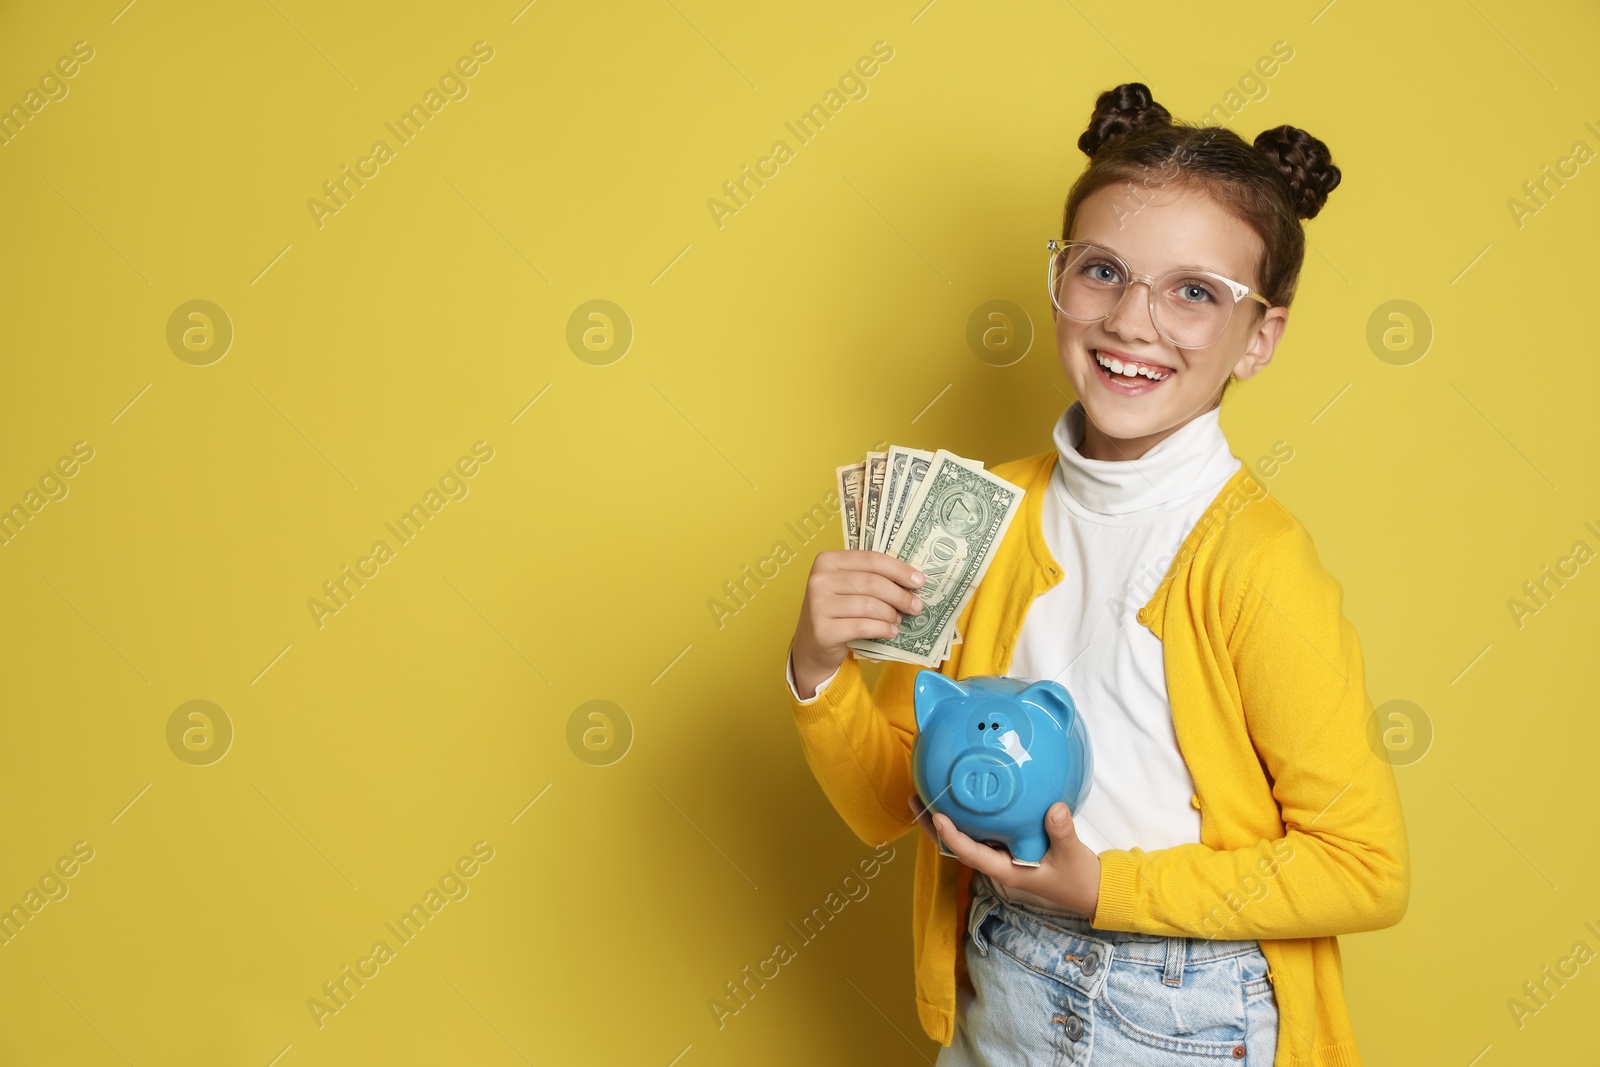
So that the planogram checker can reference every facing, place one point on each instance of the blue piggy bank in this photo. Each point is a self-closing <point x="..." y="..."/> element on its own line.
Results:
<point x="992" y="753"/>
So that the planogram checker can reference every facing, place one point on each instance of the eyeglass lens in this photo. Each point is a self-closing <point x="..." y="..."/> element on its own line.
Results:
<point x="1191" y="310"/>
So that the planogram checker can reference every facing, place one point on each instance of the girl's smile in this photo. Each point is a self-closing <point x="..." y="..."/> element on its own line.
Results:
<point x="1125" y="375"/>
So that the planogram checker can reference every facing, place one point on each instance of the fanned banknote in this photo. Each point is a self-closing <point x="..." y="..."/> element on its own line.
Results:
<point x="872" y="496"/>
<point x="943" y="514"/>
<point x="849" y="478"/>
<point x="906" y="469"/>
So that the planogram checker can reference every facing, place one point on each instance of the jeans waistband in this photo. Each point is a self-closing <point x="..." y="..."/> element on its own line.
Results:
<point x="1075" y="936"/>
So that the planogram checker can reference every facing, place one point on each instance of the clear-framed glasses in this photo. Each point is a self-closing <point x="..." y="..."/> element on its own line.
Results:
<point x="1190" y="308"/>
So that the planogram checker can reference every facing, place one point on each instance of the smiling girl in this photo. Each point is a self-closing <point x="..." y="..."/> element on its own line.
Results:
<point x="1238" y="820"/>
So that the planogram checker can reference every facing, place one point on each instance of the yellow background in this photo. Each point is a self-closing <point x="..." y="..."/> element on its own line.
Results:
<point x="827" y="314"/>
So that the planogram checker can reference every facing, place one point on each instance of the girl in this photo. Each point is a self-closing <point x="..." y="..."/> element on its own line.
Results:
<point x="1238" y="819"/>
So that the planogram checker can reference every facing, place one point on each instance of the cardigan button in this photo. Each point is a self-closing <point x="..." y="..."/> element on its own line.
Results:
<point x="1194" y="801"/>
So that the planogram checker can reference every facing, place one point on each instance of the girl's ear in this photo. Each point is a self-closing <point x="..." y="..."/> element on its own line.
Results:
<point x="1263" y="342"/>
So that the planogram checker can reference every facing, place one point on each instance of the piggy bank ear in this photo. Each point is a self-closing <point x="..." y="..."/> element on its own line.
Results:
<point x="930" y="688"/>
<point x="1054" y="697"/>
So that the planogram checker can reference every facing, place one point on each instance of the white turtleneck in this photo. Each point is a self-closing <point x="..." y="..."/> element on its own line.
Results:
<point x="1114" y="526"/>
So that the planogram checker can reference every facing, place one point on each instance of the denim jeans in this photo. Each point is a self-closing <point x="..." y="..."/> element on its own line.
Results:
<point x="1048" y="987"/>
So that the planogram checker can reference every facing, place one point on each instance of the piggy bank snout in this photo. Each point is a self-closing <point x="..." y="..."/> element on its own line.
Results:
<point x="984" y="782"/>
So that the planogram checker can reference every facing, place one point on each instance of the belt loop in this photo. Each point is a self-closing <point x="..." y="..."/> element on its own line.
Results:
<point x="1177" y="948"/>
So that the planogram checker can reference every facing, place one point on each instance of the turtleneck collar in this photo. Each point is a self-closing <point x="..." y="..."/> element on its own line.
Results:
<point x="1196" y="458"/>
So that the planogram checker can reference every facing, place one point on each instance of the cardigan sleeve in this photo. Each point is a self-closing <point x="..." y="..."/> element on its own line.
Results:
<point x="858" y="746"/>
<point x="1342" y="863"/>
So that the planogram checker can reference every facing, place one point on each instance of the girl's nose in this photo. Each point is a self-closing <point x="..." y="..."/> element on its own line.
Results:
<point x="1130" y="316"/>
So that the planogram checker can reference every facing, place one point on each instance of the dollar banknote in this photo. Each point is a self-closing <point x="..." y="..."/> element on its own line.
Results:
<point x="944" y="515"/>
<point x="872" y="497"/>
<point x="849" y="478"/>
<point x="906" y="469"/>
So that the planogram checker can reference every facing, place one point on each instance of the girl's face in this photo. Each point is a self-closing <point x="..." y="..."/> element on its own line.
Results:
<point x="1175" y="226"/>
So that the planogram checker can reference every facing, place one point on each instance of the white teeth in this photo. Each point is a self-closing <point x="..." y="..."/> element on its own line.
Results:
<point x="1116" y="366"/>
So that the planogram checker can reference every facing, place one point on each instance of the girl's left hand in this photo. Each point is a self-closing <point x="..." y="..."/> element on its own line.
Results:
<point x="1068" y="875"/>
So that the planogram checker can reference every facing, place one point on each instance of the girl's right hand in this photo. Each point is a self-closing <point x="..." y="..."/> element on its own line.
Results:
<point x="850" y="594"/>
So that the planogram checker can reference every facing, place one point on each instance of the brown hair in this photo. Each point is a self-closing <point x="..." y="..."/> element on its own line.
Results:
<point x="1285" y="176"/>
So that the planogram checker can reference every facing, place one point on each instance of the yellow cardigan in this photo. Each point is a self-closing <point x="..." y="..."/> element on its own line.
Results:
<point x="1300" y="824"/>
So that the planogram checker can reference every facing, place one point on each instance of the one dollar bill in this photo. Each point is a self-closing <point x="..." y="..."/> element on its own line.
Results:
<point x="953" y="522"/>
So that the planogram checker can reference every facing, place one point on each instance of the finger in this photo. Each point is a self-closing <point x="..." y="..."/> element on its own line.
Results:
<point x="994" y="863"/>
<point x="1058" y="824"/>
<point x="838" y="631"/>
<point x="851" y="611"/>
<point x="896" y="570"/>
<point x="846" y="596"/>
<point x="873" y="587"/>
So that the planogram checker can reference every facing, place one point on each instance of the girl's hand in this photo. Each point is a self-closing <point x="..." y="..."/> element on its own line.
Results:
<point x="1068" y="876"/>
<point x="850" y="594"/>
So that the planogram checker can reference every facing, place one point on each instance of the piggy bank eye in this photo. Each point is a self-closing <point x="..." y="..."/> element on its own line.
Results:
<point x="994" y="726"/>
<point x="980" y="726"/>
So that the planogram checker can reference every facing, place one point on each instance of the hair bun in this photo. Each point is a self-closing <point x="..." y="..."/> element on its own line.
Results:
<point x="1122" y="110"/>
<point x="1305" y="164"/>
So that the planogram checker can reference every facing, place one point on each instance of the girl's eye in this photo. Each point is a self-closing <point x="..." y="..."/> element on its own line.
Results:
<point x="1102" y="272"/>
<point x="1192" y="291"/>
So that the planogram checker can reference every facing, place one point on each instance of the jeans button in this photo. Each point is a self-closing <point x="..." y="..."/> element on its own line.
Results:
<point x="1074" y="1027"/>
<point x="1091" y="963"/>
